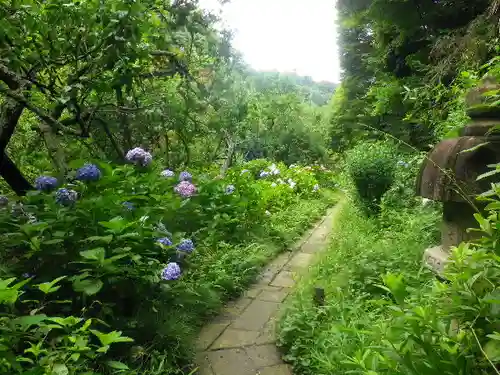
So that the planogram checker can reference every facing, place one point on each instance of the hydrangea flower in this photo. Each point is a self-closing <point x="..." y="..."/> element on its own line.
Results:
<point x="139" y="156"/>
<point x="46" y="183"/>
<point x="244" y="171"/>
<point x="185" y="176"/>
<point x="274" y="170"/>
<point x="291" y="183"/>
<point x="267" y="213"/>
<point x="171" y="272"/>
<point x="89" y="172"/>
<point x="129" y="206"/>
<point x="292" y="166"/>
<point x="167" y="173"/>
<point x="402" y="163"/>
<point x="66" y="196"/>
<point x="316" y="187"/>
<point x="185" y="189"/>
<point x="186" y="246"/>
<point x="230" y="189"/>
<point x="264" y="174"/>
<point x="165" y="241"/>
<point x="4" y="201"/>
<point x="274" y="184"/>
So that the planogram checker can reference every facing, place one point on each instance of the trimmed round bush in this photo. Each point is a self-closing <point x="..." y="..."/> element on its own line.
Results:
<point x="372" y="167"/>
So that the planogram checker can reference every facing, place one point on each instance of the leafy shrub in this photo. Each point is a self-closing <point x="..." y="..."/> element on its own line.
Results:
<point x="449" y="327"/>
<point x="122" y="247"/>
<point x="372" y="167"/>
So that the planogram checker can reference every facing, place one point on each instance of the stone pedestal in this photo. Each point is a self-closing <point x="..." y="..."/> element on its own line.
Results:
<point x="449" y="175"/>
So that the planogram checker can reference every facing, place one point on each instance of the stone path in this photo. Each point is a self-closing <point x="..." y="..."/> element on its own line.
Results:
<point x="241" y="340"/>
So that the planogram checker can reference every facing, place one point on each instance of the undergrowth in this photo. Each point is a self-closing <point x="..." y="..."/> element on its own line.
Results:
<point x="320" y="340"/>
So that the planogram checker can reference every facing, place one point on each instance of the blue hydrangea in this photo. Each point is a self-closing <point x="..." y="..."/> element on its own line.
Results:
<point x="316" y="187"/>
<point x="165" y="241"/>
<point x="230" y="189"/>
<point x="171" y="272"/>
<point x="89" y="172"/>
<point x="186" y="246"/>
<point x="46" y="183"/>
<point x="403" y="164"/>
<point x="264" y="174"/>
<point x="167" y="173"/>
<point x="185" y="176"/>
<point x="129" y="206"/>
<point x="139" y="156"/>
<point x="66" y="196"/>
<point x="4" y="201"/>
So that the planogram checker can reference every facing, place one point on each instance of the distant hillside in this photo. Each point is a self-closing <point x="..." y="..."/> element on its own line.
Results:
<point x="318" y="93"/>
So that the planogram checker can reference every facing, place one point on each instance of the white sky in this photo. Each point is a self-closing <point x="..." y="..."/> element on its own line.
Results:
<point x="285" y="35"/>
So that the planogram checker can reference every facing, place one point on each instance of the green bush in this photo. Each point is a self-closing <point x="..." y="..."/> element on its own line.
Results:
<point x="372" y="167"/>
<point x="97" y="256"/>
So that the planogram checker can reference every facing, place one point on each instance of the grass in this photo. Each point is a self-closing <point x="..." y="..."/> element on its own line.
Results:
<point x="221" y="273"/>
<point x="327" y="339"/>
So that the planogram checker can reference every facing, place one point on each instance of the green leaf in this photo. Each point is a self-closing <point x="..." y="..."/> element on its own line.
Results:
<point x="97" y="254"/>
<point x="117" y="365"/>
<point x="60" y="369"/>
<point x="110" y="338"/>
<point x="474" y="148"/>
<point x="105" y="239"/>
<point x="24" y="322"/>
<point x="88" y="286"/>
<point x="49" y="287"/>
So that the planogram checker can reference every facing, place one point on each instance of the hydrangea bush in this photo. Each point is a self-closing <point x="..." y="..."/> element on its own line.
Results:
<point x="120" y="239"/>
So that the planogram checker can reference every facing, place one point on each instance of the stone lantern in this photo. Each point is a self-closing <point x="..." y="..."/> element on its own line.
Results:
<point x="449" y="174"/>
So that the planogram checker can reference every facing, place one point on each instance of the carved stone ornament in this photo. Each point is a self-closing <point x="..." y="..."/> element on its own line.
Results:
<point x="449" y="173"/>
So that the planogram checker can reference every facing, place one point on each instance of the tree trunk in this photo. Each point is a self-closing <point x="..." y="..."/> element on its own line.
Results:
<point x="13" y="176"/>
<point x="56" y="152"/>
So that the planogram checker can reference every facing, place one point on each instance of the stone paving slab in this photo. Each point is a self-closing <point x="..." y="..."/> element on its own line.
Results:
<point x="284" y="279"/>
<point x="255" y="317"/>
<point x="235" y="338"/>
<point x="241" y="340"/>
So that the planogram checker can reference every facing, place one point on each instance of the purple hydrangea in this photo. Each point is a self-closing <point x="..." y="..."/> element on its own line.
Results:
<point x="167" y="173"/>
<point x="185" y="176"/>
<point x="230" y="189"/>
<point x="165" y="241"/>
<point x="66" y="196"/>
<point x="4" y="201"/>
<point x="46" y="183"/>
<point x="139" y="156"/>
<point x="129" y="206"/>
<point x="89" y="172"/>
<point x="185" y="189"/>
<point x="186" y="246"/>
<point x="171" y="272"/>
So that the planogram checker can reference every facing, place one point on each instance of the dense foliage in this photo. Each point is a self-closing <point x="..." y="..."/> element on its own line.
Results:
<point x="406" y="66"/>
<point x="133" y="134"/>
<point x="110" y="257"/>
<point x="407" y="69"/>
